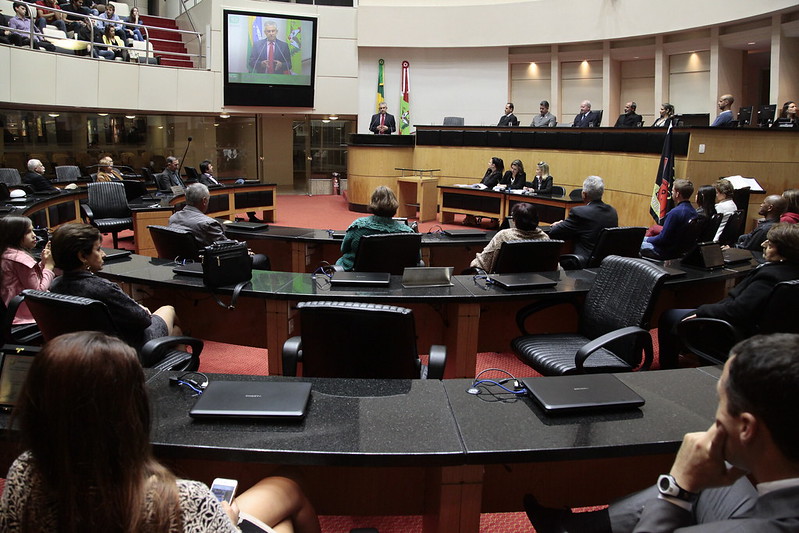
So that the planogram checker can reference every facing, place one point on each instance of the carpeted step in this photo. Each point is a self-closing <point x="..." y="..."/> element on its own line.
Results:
<point x="150" y="20"/>
<point x="176" y="63"/>
<point x="168" y="46"/>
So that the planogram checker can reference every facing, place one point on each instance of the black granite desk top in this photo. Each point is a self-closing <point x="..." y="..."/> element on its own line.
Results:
<point x="493" y="431"/>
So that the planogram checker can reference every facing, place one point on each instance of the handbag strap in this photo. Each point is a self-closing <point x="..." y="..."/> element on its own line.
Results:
<point x="236" y="291"/>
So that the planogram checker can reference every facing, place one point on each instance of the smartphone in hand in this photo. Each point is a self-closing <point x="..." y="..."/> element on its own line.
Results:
<point x="224" y="489"/>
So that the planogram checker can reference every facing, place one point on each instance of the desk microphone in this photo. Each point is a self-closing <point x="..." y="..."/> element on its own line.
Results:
<point x="183" y="159"/>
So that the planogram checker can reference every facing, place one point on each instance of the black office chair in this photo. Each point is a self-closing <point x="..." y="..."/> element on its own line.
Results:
<point x="711" y="339"/>
<point x="107" y="208"/>
<point x="25" y="334"/>
<point x="57" y="314"/>
<point x="148" y="176"/>
<point x="576" y="194"/>
<point x="388" y="252"/>
<point x="134" y="189"/>
<point x="359" y="340"/>
<point x="174" y="243"/>
<point x="558" y="190"/>
<point x="598" y="120"/>
<point x="527" y="256"/>
<point x="67" y="173"/>
<point x="192" y="174"/>
<point x="710" y="228"/>
<point x="625" y="242"/>
<point x="614" y="324"/>
<point x="732" y="229"/>
<point x="10" y="176"/>
<point x="688" y="239"/>
<point x="453" y="121"/>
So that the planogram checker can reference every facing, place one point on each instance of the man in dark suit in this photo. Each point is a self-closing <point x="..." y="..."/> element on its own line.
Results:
<point x="706" y="491"/>
<point x="170" y="177"/>
<point x="382" y="123"/>
<point x="35" y="177"/>
<point x="207" y="178"/>
<point x="508" y="119"/>
<point x="586" y="221"/>
<point x="771" y="210"/>
<point x="629" y="119"/>
<point x="270" y="55"/>
<point x="585" y="118"/>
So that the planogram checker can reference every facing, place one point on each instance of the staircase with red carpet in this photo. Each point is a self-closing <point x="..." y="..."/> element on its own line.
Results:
<point x="166" y="43"/>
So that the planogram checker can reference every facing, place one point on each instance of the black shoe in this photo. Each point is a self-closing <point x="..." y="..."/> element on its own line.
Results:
<point x="545" y="519"/>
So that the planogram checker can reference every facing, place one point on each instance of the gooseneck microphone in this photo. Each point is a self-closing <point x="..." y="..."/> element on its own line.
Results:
<point x="183" y="159"/>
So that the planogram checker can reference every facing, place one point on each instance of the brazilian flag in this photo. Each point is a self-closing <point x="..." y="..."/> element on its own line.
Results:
<point x="381" y="90"/>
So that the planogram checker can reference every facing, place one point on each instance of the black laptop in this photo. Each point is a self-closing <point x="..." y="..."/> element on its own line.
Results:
<point x="361" y="278"/>
<point x="251" y="226"/>
<point x="521" y="281"/>
<point x="189" y="269"/>
<point x="581" y="393"/>
<point x="253" y="399"/>
<point x="733" y="256"/>
<point x="464" y="233"/>
<point x="115" y="253"/>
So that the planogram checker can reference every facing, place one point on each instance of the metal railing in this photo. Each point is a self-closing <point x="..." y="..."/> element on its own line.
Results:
<point x="75" y="44"/>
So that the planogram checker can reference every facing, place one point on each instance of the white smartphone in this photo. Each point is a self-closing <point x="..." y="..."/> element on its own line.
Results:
<point x="224" y="489"/>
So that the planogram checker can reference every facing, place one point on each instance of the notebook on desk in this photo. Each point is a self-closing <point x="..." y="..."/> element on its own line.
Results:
<point x="253" y="399"/>
<point x="360" y="278"/>
<point x="734" y="256"/>
<point x="581" y="393"/>
<point x="521" y="281"/>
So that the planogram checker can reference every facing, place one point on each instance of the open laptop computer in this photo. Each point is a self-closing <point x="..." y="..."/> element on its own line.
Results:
<point x="427" y="277"/>
<point x="464" y="233"/>
<point x="14" y="364"/>
<point x="115" y="253"/>
<point x="253" y="399"/>
<point x="521" y="281"/>
<point x="252" y="226"/>
<point x="360" y="278"/>
<point x="581" y="393"/>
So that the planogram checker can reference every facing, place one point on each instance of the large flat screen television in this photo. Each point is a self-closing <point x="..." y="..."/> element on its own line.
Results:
<point x="270" y="59"/>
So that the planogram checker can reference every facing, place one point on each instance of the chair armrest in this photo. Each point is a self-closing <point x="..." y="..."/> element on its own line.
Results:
<point x="437" y="361"/>
<point x="724" y="334"/>
<point x="292" y="354"/>
<point x="155" y="350"/>
<point x="22" y="334"/>
<point x="570" y="262"/>
<point x="533" y="308"/>
<point x="87" y="211"/>
<point x="584" y="352"/>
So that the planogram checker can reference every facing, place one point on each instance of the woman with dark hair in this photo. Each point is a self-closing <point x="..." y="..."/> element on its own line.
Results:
<point x="542" y="182"/>
<point x="788" y="116"/>
<point x="524" y="228"/>
<point x="747" y="300"/>
<point x="134" y="18"/>
<point x="84" y="419"/>
<point x="77" y="251"/>
<point x="493" y="173"/>
<point x="18" y="268"/>
<point x="383" y="207"/>
<point x="666" y="114"/>
<point x="110" y="37"/>
<point x="791" y="214"/>
<point x="514" y="178"/>
<point x="706" y="201"/>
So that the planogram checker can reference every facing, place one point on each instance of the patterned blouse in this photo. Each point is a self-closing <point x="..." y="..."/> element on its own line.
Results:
<point x="488" y="257"/>
<point x="366" y="226"/>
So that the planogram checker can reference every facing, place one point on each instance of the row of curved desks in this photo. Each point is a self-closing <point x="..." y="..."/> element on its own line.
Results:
<point x="498" y="204"/>
<point x="468" y="317"/>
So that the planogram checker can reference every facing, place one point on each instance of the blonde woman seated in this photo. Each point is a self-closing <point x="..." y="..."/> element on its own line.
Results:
<point x="107" y="171"/>
<point x="525" y="222"/>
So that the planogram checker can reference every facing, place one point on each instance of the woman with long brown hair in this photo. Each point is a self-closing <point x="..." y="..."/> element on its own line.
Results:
<point x="85" y="423"/>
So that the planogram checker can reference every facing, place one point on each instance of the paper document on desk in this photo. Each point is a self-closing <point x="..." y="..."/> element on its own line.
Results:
<point x="739" y="182"/>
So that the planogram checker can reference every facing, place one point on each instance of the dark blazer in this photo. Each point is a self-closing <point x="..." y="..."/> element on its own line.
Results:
<point x="208" y="180"/>
<point x="260" y="52"/>
<point x="375" y="122"/>
<point x="774" y="512"/>
<point x="628" y="121"/>
<point x="166" y="180"/>
<point x="38" y="182"/>
<point x="747" y="300"/>
<point x="508" y="120"/>
<point x="544" y="188"/>
<point x="583" y="226"/>
<point x="754" y="240"/>
<point x="491" y="179"/>
<point x="508" y="180"/>
<point x="583" y="121"/>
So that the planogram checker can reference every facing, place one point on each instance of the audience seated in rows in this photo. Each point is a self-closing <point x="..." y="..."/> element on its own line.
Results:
<point x="524" y="228"/>
<point x="670" y="242"/>
<point x="133" y="31"/>
<point x="110" y="37"/>
<point x="50" y="13"/>
<point x="21" y="26"/>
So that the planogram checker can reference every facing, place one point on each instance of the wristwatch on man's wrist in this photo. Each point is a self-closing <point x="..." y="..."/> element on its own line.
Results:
<point x="669" y="487"/>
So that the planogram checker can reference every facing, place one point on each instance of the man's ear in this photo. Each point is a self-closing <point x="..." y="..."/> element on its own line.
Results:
<point x="749" y="427"/>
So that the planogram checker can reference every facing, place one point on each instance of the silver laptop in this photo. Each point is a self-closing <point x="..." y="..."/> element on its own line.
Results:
<point x="521" y="281"/>
<point x="360" y="278"/>
<point x="581" y="393"/>
<point x="253" y="399"/>
<point x="427" y="277"/>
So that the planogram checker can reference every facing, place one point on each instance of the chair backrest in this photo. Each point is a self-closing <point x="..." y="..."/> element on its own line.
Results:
<point x="174" y="243"/>
<point x="107" y="200"/>
<point x="10" y="176"/>
<point x="690" y="235"/>
<point x="624" y="242"/>
<point x="148" y="175"/>
<point x="388" y="252"/>
<point x="67" y="173"/>
<point x="710" y="228"/>
<point x="134" y="189"/>
<point x="122" y="9"/>
<point x="732" y="229"/>
<point x="192" y="173"/>
<point x="528" y="256"/>
<point x="358" y="340"/>
<point x="57" y="314"/>
<point x="779" y="316"/>
<point x="623" y="294"/>
<point x="598" y="120"/>
<point x="453" y="121"/>
<point x="576" y="194"/>
<point x="558" y="190"/>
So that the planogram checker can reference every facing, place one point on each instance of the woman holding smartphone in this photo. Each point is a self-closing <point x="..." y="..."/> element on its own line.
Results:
<point x="85" y="423"/>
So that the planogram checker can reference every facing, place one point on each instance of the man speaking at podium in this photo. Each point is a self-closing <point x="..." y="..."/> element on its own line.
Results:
<point x="382" y="123"/>
<point x="270" y="55"/>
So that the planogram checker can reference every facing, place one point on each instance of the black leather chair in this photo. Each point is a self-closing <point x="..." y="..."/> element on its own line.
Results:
<point x="25" y="334"/>
<point x="614" y="324"/>
<point x="527" y="256"/>
<point x="711" y="339"/>
<point x="57" y="314"/>
<point x="107" y="208"/>
<point x="689" y="235"/>
<point x="453" y="121"/>
<point x="732" y="229"/>
<point x="388" y="252"/>
<point x="359" y="340"/>
<point x="597" y="122"/>
<point x="576" y="194"/>
<point x="10" y="176"/>
<point x="67" y="173"/>
<point x="174" y="243"/>
<point x="558" y="190"/>
<point x="192" y="174"/>
<point x="711" y="227"/>
<point x="625" y="242"/>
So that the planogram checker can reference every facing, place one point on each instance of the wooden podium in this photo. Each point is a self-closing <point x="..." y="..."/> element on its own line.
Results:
<point x="417" y="189"/>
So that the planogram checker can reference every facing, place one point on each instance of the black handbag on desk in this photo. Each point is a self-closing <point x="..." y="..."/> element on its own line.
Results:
<point x="227" y="263"/>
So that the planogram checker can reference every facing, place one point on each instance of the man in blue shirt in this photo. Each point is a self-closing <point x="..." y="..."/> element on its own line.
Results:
<point x="671" y="239"/>
<point x="725" y="117"/>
